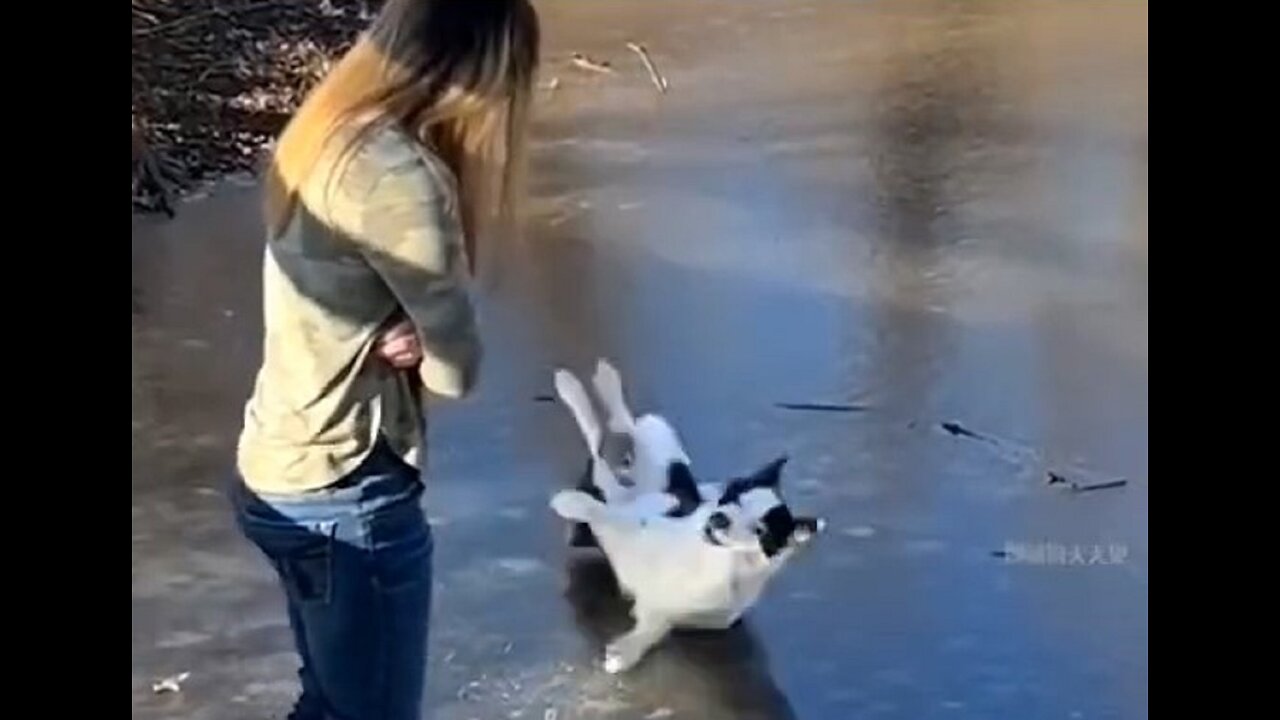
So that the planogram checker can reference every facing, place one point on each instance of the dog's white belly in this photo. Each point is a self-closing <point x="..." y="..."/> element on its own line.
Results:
<point x="736" y="588"/>
<point x="692" y="584"/>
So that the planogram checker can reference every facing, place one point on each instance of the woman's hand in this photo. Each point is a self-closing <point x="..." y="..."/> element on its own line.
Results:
<point x="398" y="346"/>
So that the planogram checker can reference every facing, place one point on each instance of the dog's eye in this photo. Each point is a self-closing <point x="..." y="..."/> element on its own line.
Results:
<point x="759" y="529"/>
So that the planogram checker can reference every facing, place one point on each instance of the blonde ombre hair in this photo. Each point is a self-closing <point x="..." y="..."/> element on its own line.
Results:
<point x="457" y="75"/>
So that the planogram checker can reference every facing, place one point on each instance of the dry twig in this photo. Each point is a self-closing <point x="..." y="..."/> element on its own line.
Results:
<point x="585" y="63"/>
<point x="659" y="81"/>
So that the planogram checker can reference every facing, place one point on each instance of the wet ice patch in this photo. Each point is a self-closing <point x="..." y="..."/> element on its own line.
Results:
<point x="519" y="565"/>
<point x="181" y="639"/>
<point x="857" y="489"/>
<point x="843" y="560"/>
<point x="808" y="485"/>
<point x="282" y="688"/>
<point x="625" y="150"/>
<point x="925" y="546"/>
<point x="513" y="513"/>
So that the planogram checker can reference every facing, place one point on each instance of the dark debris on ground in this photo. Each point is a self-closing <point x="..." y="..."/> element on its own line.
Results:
<point x="214" y="81"/>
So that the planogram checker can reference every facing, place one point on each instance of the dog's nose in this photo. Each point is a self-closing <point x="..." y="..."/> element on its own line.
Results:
<point x="718" y="521"/>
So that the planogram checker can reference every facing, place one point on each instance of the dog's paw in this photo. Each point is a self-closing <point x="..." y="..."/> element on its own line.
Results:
<point x="613" y="664"/>
<point x="617" y="658"/>
<point x="607" y="377"/>
<point x="807" y="528"/>
<point x="569" y="387"/>
<point x="573" y="505"/>
<point x="565" y="378"/>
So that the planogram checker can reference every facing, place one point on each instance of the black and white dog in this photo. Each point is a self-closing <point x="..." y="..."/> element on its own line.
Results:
<point x="689" y="554"/>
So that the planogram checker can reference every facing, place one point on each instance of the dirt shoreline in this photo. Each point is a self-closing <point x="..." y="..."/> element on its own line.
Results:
<point x="214" y="81"/>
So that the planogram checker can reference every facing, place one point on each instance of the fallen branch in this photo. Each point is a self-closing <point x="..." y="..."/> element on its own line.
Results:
<point x="205" y="15"/>
<point x="596" y="66"/>
<point x="1054" y="477"/>
<point x="959" y="430"/>
<point x="659" y="81"/>
<point x="1074" y="479"/>
<point x="149" y="174"/>
<point x="213" y="78"/>
<point x="822" y="407"/>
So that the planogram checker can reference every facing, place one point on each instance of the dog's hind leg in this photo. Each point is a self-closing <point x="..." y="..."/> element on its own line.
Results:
<point x="574" y="396"/>
<point x="625" y="652"/>
<point x="608" y="385"/>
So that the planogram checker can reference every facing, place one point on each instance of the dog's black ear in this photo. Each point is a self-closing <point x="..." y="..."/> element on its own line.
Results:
<point x="770" y="475"/>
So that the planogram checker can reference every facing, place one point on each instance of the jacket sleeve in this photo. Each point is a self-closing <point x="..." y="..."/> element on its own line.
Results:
<point x="402" y="215"/>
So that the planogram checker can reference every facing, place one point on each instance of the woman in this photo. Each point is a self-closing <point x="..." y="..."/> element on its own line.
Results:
<point x="378" y="188"/>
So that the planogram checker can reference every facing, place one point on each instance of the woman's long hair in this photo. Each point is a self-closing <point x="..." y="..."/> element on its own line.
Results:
<point x="455" y="74"/>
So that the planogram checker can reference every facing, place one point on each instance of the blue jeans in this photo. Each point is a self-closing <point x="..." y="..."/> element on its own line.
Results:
<point x="355" y="563"/>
